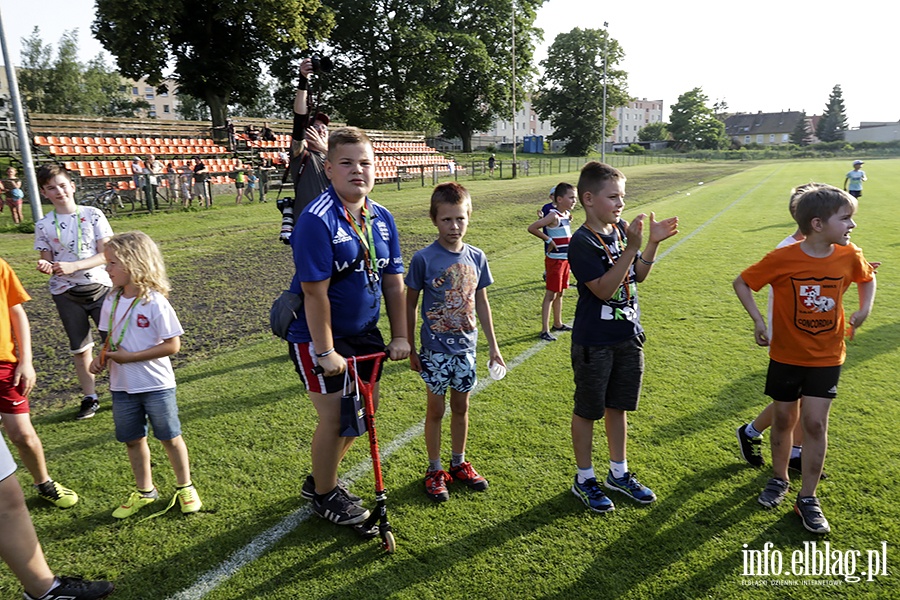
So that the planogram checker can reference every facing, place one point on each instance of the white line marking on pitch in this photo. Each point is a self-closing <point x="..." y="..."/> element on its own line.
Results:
<point x="261" y="543"/>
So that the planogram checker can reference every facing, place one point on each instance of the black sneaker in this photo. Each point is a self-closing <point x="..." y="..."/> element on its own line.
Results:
<point x="810" y="512"/>
<point x="751" y="448"/>
<point x="75" y="588"/>
<point x="308" y="491"/>
<point x="796" y="464"/>
<point x="89" y="408"/>
<point x="337" y="508"/>
<point x="547" y="337"/>
<point x="562" y="327"/>
<point x="774" y="492"/>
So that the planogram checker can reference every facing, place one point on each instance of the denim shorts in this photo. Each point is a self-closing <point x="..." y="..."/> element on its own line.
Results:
<point x="132" y="411"/>
<point x="607" y="377"/>
<point x="441" y="371"/>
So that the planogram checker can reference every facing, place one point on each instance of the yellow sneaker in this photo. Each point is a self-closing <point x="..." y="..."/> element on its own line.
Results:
<point x="56" y="494"/>
<point x="188" y="499"/>
<point x="136" y="501"/>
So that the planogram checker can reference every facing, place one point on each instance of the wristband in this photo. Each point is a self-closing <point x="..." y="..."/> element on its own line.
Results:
<point x="326" y="353"/>
<point x="302" y="82"/>
<point x="646" y="262"/>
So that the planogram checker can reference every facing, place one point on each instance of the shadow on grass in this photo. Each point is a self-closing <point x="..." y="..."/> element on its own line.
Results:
<point x="643" y="551"/>
<point x="657" y="542"/>
<point x="406" y="569"/>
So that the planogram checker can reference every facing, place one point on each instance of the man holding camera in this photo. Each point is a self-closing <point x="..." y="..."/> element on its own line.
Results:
<point x="309" y="144"/>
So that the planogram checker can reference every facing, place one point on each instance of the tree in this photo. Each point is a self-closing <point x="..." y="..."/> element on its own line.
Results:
<point x="218" y="47"/>
<point x="801" y="134"/>
<point x="572" y="97"/>
<point x="833" y="124"/>
<point x="389" y="70"/>
<point x="693" y="124"/>
<point x="36" y="68"/>
<point x="65" y="86"/>
<point x="653" y="132"/>
<point x="192" y="109"/>
<point x="477" y="38"/>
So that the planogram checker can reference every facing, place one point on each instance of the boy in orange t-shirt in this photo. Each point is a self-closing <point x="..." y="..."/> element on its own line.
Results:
<point x="807" y="349"/>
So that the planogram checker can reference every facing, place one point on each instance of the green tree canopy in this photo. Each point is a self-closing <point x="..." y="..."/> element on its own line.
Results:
<point x="801" y="134"/>
<point x="65" y="86"/>
<point x="572" y="96"/>
<point x="833" y="124"/>
<point x="653" y="132"/>
<point x="694" y="125"/>
<point x="478" y="42"/>
<point x="218" y="47"/>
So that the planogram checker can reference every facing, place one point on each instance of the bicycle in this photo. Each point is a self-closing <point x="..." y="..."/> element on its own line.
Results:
<point x="109" y="201"/>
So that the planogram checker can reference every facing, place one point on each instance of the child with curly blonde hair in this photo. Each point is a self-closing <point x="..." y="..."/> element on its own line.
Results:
<point x="142" y="332"/>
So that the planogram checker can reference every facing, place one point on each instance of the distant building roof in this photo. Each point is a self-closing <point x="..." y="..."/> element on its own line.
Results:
<point x="762" y="123"/>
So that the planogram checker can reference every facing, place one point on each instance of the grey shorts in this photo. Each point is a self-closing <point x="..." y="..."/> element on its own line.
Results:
<point x="76" y="307"/>
<point x="607" y="377"/>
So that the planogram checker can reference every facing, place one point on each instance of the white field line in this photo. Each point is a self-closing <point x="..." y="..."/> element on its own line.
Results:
<point x="261" y="543"/>
<point x="719" y="214"/>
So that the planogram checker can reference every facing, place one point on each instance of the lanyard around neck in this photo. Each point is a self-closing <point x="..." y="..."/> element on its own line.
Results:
<point x="364" y="233"/>
<point x="123" y="322"/>
<point x="77" y="231"/>
<point x="619" y="243"/>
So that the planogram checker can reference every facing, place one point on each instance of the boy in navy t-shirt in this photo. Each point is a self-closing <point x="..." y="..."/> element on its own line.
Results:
<point x="607" y="337"/>
<point x="343" y="229"/>
<point x="452" y="278"/>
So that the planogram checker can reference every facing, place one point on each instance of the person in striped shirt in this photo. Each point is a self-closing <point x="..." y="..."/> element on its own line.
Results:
<point x="555" y="229"/>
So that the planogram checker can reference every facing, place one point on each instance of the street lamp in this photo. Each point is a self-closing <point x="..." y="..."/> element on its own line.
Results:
<point x="605" y="54"/>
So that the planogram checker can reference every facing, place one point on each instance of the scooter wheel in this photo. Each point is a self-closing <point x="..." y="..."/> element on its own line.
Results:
<point x="388" y="542"/>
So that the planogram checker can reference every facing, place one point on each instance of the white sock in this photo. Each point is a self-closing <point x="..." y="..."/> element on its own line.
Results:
<point x="585" y="474"/>
<point x="795" y="451"/>
<point x="751" y="431"/>
<point x="619" y="469"/>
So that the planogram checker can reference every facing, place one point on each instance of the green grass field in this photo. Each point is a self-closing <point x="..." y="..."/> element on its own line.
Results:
<point x="248" y="423"/>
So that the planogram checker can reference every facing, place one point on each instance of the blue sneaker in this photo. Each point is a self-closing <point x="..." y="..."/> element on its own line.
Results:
<point x="630" y="486"/>
<point x="592" y="496"/>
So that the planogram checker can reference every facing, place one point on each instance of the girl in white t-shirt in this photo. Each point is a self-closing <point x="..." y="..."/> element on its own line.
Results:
<point x="142" y="332"/>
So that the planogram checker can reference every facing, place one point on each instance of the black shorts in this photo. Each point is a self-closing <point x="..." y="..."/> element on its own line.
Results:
<point x="855" y="193"/>
<point x="787" y="383"/>
<point x="238" y="185"/>
<point x="303" y="356"/>
<point x="607" y="377"/>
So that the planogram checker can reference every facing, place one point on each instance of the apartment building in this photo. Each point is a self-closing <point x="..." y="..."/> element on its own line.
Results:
<point x="634" y="116"/>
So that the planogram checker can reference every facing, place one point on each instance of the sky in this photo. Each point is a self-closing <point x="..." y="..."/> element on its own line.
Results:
<point x="764" y="55"/>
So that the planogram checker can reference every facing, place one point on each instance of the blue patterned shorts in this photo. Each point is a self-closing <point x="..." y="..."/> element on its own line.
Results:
<point x="441" y="371"/>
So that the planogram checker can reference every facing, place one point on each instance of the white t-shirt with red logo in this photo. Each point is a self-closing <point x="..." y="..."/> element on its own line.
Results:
<point x="146" y="324"/>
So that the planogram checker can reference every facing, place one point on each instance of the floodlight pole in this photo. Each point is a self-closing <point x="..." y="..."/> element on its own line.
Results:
<point x="605" y="55"/>
<point x="514" y="86"/>
<point x="19" y="116"/>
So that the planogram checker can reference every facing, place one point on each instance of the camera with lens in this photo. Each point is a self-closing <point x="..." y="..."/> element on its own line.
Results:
<point x="286" y="207"/>
<point x="321" y="64"/>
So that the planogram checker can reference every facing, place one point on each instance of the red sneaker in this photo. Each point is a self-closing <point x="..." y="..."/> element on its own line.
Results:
<point x="436" y="485"/>
<point x="465" y="473"/>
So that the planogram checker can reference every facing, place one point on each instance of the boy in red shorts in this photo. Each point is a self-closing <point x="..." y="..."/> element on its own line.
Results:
<point x="555" y="230"/>
<point x="17" y="377"/>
